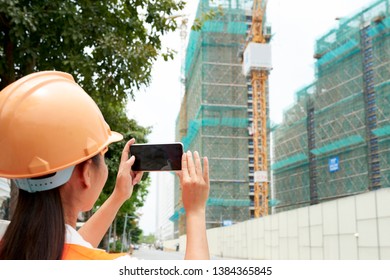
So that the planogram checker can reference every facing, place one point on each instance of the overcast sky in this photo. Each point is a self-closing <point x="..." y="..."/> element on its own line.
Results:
<point x="295" y="25"/>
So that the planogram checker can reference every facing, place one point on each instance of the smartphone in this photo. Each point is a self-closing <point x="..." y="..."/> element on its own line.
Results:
<point x="157" y="157"/>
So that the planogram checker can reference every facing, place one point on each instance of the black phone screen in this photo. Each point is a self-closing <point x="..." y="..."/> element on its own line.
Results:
<point x="157" y="157"/>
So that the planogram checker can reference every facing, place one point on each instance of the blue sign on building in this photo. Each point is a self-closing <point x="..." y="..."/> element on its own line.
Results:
<point x="227" y="223"/>
<point x="334" y="164"/>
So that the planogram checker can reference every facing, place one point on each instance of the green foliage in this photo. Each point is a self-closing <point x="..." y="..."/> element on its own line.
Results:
<point x="205" y="16"/>
<point x="116" y="248"/>
<point x="109" y="46"/>
<point x="132" y="233"/>
<point x="148" y="239"/>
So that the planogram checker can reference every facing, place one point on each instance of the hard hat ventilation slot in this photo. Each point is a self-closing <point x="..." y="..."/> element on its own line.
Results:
<point x="46" y="182"/>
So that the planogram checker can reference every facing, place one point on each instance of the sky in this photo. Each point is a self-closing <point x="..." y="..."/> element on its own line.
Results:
<point x="296" y="25"/>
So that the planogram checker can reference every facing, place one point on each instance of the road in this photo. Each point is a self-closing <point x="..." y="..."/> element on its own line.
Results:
<point x="144" y="253"/>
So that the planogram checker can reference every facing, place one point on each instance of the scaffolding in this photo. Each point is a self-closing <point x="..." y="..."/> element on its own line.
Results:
<point x="213" y="119"/>
<point x="335" y="139"/>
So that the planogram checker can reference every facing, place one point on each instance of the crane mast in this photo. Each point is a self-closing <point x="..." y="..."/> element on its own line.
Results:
<point x="258" y="11"/>
<point x="259" y="81"/>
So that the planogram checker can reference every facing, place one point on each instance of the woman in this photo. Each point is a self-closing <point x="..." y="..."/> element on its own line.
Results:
<point x="52" y="141"/>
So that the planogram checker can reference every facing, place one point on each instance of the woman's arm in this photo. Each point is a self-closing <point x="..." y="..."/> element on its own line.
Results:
<point x="195" y="187"/>
<point x="96" y="227"/>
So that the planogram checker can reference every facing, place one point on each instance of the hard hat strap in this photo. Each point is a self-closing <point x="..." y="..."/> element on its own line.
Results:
<point x="32" y="185"/>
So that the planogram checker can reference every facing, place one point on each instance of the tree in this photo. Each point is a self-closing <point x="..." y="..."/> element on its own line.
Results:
<point x="109" y="47"/>
<point x="148" y="239"/>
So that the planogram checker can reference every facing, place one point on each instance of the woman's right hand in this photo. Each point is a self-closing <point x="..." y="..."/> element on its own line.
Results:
<point x="126" y="178"/>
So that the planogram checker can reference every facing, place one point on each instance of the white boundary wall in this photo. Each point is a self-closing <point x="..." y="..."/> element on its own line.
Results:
<point x="3" y="227"/>
<point x="354" y="227"/>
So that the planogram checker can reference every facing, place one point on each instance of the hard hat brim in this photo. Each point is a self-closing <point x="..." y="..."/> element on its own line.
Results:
<point x="115" y="137"/>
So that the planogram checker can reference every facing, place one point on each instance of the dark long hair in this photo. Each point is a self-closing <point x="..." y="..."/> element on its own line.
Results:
<point x="37" y="229"/>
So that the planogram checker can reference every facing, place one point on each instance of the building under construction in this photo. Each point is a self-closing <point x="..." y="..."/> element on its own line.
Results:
<point x="335" y="140"/>
<point x="216" y="112"/>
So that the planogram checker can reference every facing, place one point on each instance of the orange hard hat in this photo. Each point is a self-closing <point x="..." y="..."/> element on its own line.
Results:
<point x="48" y="123"/>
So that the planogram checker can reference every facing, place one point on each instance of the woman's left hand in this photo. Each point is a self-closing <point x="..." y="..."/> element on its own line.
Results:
<point x="194" y="182"/>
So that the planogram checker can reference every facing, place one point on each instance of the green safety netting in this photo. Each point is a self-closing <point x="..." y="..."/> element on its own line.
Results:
<point x="224" y="24"/>
<point x="342" y="100"/>
<point x="343" y="143"/>
<point x="288" y="161"/>
<point x="228" y="202"/>
<point x="344" y="41"/>
<point x="213" y="26"/>
<point x="237" y="27"/>
<point x="195" y="125"/>
<point x="382" y="131"/>
<point x="174" y="217"/>
<point x="192" y="47"/>
<point x="339" y="52"/>
<point x="215" y="202"/>
<point x="380" y="27"/>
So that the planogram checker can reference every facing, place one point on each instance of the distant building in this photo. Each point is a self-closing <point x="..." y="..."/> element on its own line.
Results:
<point x="165" y="205"/>
<point x="335" y="140"/>
<point x="216" y="113"/>
<point x="4" y="198"/>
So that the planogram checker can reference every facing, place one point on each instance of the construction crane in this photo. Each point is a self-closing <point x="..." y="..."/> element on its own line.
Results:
<point x="256" y="65"/>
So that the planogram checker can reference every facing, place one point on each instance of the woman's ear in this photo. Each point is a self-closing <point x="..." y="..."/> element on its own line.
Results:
<point x="85" y="173"/>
